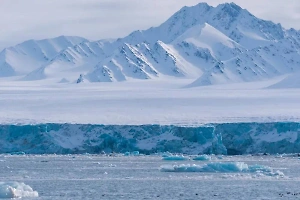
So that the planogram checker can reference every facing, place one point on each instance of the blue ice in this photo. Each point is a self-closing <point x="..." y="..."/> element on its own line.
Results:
<point x="202" y="158"/>
<point x="225" y="167"/>
<point x="175" y="158"/>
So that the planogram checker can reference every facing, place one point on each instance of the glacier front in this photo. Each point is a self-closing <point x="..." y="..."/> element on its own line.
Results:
<point x="226" y="138"/>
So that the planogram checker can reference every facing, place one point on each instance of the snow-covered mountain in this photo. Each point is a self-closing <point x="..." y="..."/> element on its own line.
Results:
<point x="71" y="62"/>
<point x="210" y="45"/>
<point x="30" y="55"/>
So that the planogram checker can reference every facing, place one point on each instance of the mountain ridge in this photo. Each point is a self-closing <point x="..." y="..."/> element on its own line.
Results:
<point x="212" y="45"/>
<point x="34" y="53"/>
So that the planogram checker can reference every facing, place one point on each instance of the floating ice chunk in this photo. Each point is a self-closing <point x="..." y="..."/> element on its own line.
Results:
<point x="226" y="167"/>
<point x="220" y="157"/>
<point x="276" y="173"/>
<point x="175" y="158"/>
<point x="134" y="153"/>
<point x="16" y="190"/>
<point x="202" y="158"/>
<point x="166" y="154"/>
<point x="181" y="168"/>
<point x="17" y="153"/>
<point x="259" y="168"/>
<point x="127" y="153"/>
<point x="265" y="170"/>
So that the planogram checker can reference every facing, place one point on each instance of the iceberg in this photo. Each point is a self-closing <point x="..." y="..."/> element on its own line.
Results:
<point x="126" y="153"/>
<point x="225" y="167"/>
<point x="10" y="190"/>
<point x="202" y="158"/>
<point x="17" y="153"/>
<point x="175" y="158"/>
<point x="134" y="153"/>
<point x="181" y="168"/>
<point x="166" y="154"/>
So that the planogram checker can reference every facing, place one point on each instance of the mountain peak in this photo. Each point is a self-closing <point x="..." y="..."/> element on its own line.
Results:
<point x="203" y="5"/>
<point x="225" y="43"/>
<point x="231" y="6"/>
<point x="198" y="8"/>
<point x="230" y="9"/>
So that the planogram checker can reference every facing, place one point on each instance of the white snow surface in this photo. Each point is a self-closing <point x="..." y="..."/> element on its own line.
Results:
<point x="145" y="102"/>
<point x="290" y="81"/>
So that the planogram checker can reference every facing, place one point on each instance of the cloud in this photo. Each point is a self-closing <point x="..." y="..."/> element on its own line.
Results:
<point x="21" y="20"/>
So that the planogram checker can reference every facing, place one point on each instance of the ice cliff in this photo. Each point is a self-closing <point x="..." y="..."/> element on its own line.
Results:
<point x="230" y="138"/>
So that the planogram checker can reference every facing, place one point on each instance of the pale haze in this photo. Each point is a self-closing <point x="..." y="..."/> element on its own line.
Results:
<point x="100" y="19"/>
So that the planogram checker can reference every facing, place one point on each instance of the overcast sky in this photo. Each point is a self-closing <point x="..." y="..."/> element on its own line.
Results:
<point x="21" y="20"/>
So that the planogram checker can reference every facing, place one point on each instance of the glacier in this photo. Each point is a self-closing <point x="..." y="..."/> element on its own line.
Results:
<point x="226" y="138"/>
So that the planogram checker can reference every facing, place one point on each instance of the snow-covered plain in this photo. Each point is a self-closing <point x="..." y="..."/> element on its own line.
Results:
<point x="146" y="102"/>
<point x="140" y="177"/>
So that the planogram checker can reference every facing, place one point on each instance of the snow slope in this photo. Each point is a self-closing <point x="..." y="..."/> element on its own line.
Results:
<point x="212" y="45"/>
<point x="207" y="37"/>
<point x="71" y="62"/>
<point x="28" y="56"/>
<point x="290" y="81"/>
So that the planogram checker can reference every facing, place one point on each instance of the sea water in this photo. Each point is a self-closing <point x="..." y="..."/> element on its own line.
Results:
<point x="115" y="176"/>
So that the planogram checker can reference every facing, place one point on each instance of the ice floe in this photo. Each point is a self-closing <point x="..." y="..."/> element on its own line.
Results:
<point x="16" y="190"/>
<point x="225" y="167"/>
<point x="175" y="158"/>
<point x="202" y="158"/>
<point x="134" y="153"/>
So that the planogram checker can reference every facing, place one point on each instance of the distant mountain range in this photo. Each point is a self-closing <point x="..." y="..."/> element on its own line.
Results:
<point x="211" y="45"/>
